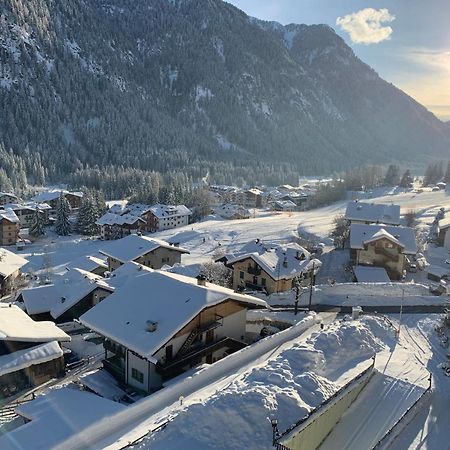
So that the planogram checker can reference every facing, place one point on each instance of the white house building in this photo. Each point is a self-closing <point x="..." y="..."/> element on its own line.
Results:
<point x="161" y="324"/>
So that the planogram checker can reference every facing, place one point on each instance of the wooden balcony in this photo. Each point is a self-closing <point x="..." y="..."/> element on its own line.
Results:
<point x="191" y="359"/>
<point x="254" y="270"/>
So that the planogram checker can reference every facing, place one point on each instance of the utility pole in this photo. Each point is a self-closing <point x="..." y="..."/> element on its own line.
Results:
<point x="311" y="286"/>
<point x="401" y="312"/>
<point x="297" y="295"/>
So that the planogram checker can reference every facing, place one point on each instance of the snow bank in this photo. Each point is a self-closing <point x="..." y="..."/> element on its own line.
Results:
<point x="286" y="387"/>
<point x="363" y="294"/>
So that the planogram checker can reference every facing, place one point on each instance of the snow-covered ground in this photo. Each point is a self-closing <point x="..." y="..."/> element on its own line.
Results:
<point x="289" y="384"/>
<point x="204" y="239"/>
<point x="362" y="294"/>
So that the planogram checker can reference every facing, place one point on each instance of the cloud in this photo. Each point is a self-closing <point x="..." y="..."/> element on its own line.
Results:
<point x="367" y="26"/>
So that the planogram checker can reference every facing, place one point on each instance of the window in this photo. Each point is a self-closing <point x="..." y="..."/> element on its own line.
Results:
<point x="137" y="375"/>
<point x="263" y="281"/>
<point x="241" y="275"/>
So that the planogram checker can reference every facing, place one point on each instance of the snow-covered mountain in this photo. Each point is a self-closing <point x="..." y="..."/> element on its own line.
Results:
<point x="195" y="85"/>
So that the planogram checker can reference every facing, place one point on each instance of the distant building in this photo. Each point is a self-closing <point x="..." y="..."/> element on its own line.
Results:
<point x="6" y="198"/>
<point x="382" y="246"/>
<point x="27" y="211"/>
<point x="30" y="353"/>
<point x="367" y="213"/>
<point x="115" y="226"/>
<point x="253" y="198"/>
<point x="284" y="205"/>
<point x="232" y="212"/>
<point x="51" y="198"/>
<point x="153" y="253"/>
<point x="159" y="325"/>
<point x="273" y="269"/>
<point x="9" y="227"/>
<point x="165" y="217"/>
<point x="10" y="269"/>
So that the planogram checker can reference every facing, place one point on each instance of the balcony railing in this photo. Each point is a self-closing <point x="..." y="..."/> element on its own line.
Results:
<point x="176" y="366"/>
<point x="254" y="270"/>
<point x="112" y="366"/>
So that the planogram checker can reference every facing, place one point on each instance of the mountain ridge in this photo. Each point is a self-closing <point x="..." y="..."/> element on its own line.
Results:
<point x="195" y="86"/>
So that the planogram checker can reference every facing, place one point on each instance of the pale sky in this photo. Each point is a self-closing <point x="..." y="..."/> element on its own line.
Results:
<point x="406" y="41"/>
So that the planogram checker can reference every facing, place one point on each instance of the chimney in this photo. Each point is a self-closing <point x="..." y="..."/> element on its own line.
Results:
<point x="151" y="326"/>
<point x="285" y="262"/>
<point x="201" y="280"/>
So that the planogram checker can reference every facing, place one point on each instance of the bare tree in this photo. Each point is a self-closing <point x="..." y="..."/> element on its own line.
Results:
<point x="341" y="231"/>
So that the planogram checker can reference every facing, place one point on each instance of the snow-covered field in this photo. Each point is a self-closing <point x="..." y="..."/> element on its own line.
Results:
<point x="206" y="238"/>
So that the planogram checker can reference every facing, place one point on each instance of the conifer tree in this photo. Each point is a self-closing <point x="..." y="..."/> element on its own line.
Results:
<point x="62" y="226"/>
<point x="406" y="180"/>
<point x="37" y="226"/>
<point x="87" y="216"/>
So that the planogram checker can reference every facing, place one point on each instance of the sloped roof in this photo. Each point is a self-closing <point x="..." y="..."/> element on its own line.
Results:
<point x="164" y="211"/>
<point x="47" y="196"/>
<point x="9" y="215"/>
<point x="230" y="210"/>
<point x="7" y="194"/>
<point x="21" y="359"/>
<point x="66" y="292"/>
<point x="116" y="219"/>
<point x="88" y="263"/>
<point x="16" y="325"/>
<point x="362" y="233"/>
<point x="282" y="261"/>
<point x="383" y="234"/>
<point x="133" y="246"/>
<point x="373" y="212"/>
<point x="56" y="416"/>
<point x="170" y="300"/>
<point x="10" y="262"/>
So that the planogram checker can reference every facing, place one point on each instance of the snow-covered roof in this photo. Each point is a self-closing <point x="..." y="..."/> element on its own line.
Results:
<point x="56" y="416"/>
<point x="116" y="219"/>
<point x="444" y="223"/>
<point x="16" y="325"/>
<point x="437" y="271"/>
<point x="137" y="209"/>
<point x="254" y="191"/>
<point x="285" y="204"/>
<point x="125" y="273"/>
<point x="163" y="211"/>
<point x="231" y="210"/>
<point x="10" y="262"/>
<point x="9" y="215"/>
<point x="383" y="234"/>
<point x="7" y="194"/>
<point x="170" y="300"/>
<point x="133" y="246"/>
<point x="88" y="263"/>
<point x="365" y="274"/>
<point x="362" y="233"/>
<point x="31" y="206"/>
<point x="48" y="196"/>
<point x="66" y="292"/>
<point x="282" y="261"/>
<point x="21" y="359"/>
<point x="373" y="212"/>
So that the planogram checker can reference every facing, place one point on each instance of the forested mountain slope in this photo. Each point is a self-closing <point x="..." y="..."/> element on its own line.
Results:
<point x="89" y="87"/>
